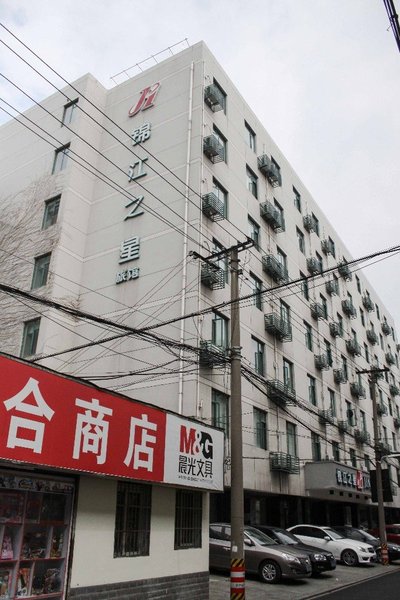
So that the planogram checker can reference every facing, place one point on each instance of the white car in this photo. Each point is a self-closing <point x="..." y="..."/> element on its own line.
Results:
<point x="350" y="552"/>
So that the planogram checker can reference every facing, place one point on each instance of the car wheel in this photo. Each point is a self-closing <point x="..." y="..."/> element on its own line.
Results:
<point x="270" y="572"/>
<point x="349" y="558"/>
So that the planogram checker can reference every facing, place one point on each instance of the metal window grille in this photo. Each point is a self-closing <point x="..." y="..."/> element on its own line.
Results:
<point x="132" y="520"/>
<point x="188" y="519"/>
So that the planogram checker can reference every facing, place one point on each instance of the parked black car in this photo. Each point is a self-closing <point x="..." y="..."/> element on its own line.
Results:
<point x="321" y="560"/>
<point x="360" y="534"/>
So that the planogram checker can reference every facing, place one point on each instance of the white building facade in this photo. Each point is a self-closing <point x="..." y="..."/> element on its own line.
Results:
<point x="101" y="209"/>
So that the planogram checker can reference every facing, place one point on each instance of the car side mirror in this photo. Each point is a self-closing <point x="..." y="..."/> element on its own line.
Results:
<point x="248" y="543"/>
<point x="327" y="538"/>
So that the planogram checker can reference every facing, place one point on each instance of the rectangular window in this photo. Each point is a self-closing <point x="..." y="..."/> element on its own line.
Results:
<point x="40" y="271"/>
<point x="324" y="306"/>
<point x="394" y="442"/>
<point x="353" y="457"/>
<point x="222" y="95"/>
<point x="260" y="428"/>
<point x="332" y="247"/>
<point x="358" y="284"/>
<point x="221" y="139"/>
<point x="377" y="312"/>
<point x="340" y="323"/>
<point x="332" y="402"/>
<point x="344" y="367"/>
<point x="291" y="438"/>
<point x="30" y="337"/>
<point x="252" y="182"/>
<point x="282" y="258"/>
<point x="221" y="262"/>
<point x="316" y="224"/>
<point x="68" y="113"/>
<point x="320" y="262"/>
<point x="220" y="411"/>
<point x="250" y="137"/>
<point x="188" y="519"/>
<point x="304" y="286"/>
<point x="254" y="232"/>
<point x="132" y="519"/>
<point x="219" y="330"/>
<point x="50" y="214"/>
<point x="336" y="451"/>
<point x="308" y="335"/>
<point x="366" y="351"/>
<point x="277" y="167"/>
<point x="315" y="446"/>
<point x="362" y="317"/>
<point x="312" y="391"/>
<point x="288" y="374"/>
<point x="328" y="349"/>
<point x="256" y="290"/>
<point x="300" y="240"/>
<point x="60" y="159"/>
<point x="363" y="420"/>
<point x="367" y="462"/>
<point x="285" y="312"/>
<point x="297" y="199"/>
<point x="221" y="194"/>
<point x="258" y="354"/>
<point x="350" y="414"/>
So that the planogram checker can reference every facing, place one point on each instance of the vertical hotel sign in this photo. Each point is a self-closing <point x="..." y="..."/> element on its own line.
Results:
<point x="130" y="248"/>
<point x="54" y="421"/>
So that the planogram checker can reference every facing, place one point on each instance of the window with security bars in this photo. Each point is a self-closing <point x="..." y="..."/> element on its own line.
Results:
<point x="188" y="519"/>
<point x="132" y="520"/>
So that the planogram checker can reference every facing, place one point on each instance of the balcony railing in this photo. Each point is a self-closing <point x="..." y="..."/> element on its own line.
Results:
<point x="211" y="355"/>
<point x="310" y="224"/>
<point x="383" y="447"/>
<point x="335" y="329"/>
<point x="314" y="266"/>
<point x="321" y="362"/>
<point x="278" y="327"/>
<point x="213" y="207"/>
<point x="349" y="309"/>
<point x="328" y="247"/>
<point x="317" y="311"/>
<point x="213" y="149"/>
<point x="270" y="170"/>
<point x="274" y="268"/>
<point x="332" y="287"/>
<point x="212" y="276"/>
<point x="214" y="97"/>
<point x="339" y="376"/>
<point x="362" y="436"/>
<point x="357" y="390"/>
<point x="326" y="416"/>
<point x="381" y="409"/>
<point x="371" y="336"/>
<point x="353" y="347"/>
<point x="344" y="271"/>
<point x="273" y="216"/>
<point x="280" y="393"/>
<point x="393" y="389"/>
<point x="390" y="358"/>
<point x="386" y="329"/>
<point x="344" y="426"/>
<point x="286" y="463"/>
<point x="396" y="422"/>
<point x="367" y="303"/>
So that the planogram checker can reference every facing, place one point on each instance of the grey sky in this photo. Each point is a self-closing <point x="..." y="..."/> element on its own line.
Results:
<point x="322" y="75"/>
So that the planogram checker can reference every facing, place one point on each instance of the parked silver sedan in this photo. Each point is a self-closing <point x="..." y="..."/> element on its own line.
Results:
<point x="270" y="560"/>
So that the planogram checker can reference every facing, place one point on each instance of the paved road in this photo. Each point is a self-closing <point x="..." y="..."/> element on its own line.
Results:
<point x="341" y="581"/>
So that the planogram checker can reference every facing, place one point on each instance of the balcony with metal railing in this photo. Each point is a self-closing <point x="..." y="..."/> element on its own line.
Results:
<point x="317" y="311"/>
<point x="214" y="97"/>
<point x="326" y="416"/>
<point x="285" y="463"/>
<point x="344" y="271"/>
<point x="381" y="409"/>
<point x="386" y="329"/>
<point x="278" y="327"/>
<point x="213" y="207"/>
<point x="344" y="426"/>
<point x="339" y="376"/>
<point x="349" y="309"/>
<point x="383" y="447"/>
<point x="321" y="362"/>
<point x="328" y="247"/>
<point x="310" y="223"/>
<point x="272" y="216"/>
<point x="212" y="276"/>
<point x="270" y="170"/>
<point x="280" y="393"/>
<point x="357" y="390"/>
<point x="211" y="355"/>
<point x="362" y="436"/>
<point x="332" y="287"/>
<point x="371" y="336"/>
<point x="367" y="303"/>
<point x="314" y="266"/>
<point x="335" y="329"/>
<point x="213" y="149"/>
<point x="353" y="347"/>
<point x="394" y="389"/>
<point x="396" y="422"/>
<point x="275" y="269"/>
<point x="390" y="358"/>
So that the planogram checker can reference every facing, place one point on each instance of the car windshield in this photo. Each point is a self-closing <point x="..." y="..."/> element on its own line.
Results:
<point x="369" y="537"/>
<point x="286" y="538"/>
<point x="334" y="534"/>
<point x="260" y="537"/>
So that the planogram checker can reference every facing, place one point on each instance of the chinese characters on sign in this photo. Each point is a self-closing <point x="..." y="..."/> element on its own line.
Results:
<point x="52" y="420"/>
<point x="358" y="479"/>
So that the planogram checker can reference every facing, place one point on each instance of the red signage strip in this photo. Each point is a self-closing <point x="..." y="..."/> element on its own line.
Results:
<point x="53" y="420"/>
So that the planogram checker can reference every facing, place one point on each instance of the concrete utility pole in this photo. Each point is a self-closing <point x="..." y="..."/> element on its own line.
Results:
<point x="373" y="376"/>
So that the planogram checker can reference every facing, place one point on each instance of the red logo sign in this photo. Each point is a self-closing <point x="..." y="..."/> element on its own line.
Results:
<point x="146" y="100"/>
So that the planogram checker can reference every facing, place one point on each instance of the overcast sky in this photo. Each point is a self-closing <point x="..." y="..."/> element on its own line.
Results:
<point x="322" y="75"/>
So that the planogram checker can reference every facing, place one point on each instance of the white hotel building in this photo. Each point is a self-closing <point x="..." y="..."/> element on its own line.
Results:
<point x="105" y="194"/>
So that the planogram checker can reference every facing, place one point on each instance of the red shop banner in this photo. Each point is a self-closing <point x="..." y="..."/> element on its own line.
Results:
<point x="54" y="420"/>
